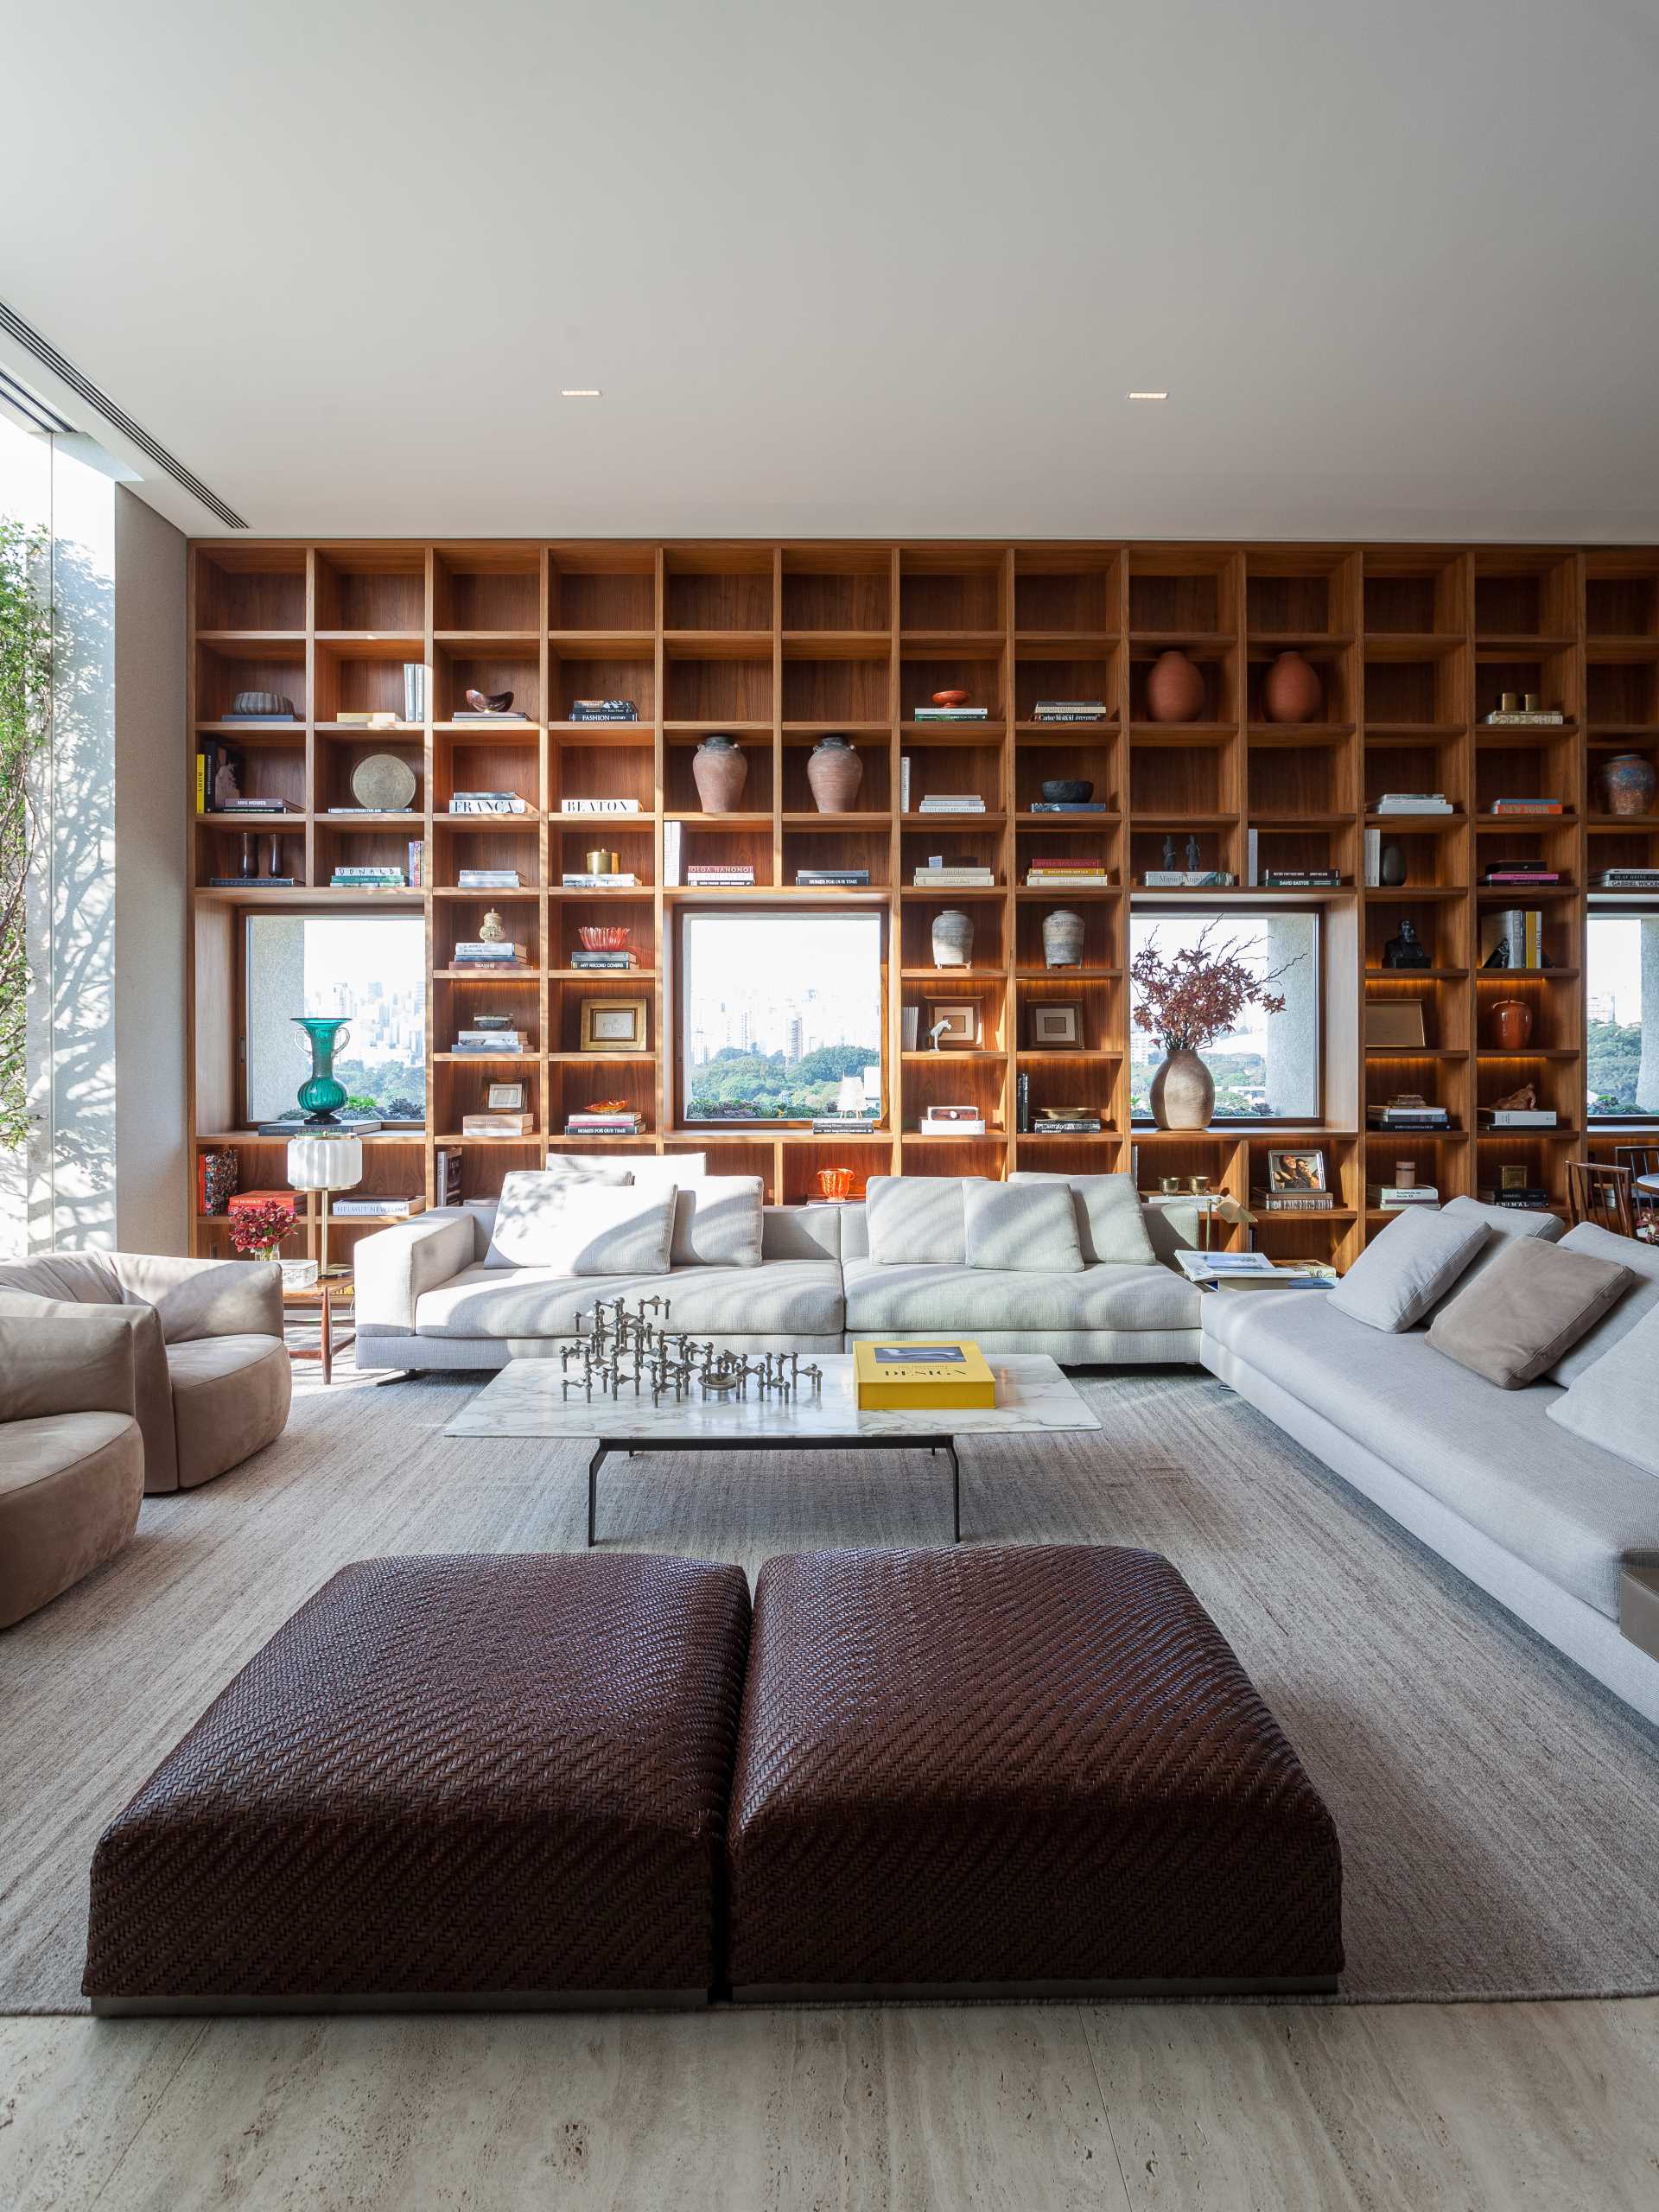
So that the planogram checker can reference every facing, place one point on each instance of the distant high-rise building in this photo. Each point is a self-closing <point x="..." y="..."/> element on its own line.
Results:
<point x="1602" y="1007"/>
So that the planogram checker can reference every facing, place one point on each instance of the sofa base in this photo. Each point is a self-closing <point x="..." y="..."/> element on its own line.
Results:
<point x="397" y="1351"/>
<point x="1581" y="1634"/>
<point x="1067" y="1347"/>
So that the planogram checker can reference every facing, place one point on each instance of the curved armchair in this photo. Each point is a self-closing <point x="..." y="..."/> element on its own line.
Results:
<point x="212" y="1379"/>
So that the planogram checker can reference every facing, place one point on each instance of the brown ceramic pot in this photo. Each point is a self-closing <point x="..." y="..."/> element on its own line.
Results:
<point x="720" y="769"/>
<point x="1511" y="1024"/>
<point x="1292" y="691"/>
<point x="1174" y="688"/>
<point x="1183" y="1093"/>
<point x="834" y="772"/>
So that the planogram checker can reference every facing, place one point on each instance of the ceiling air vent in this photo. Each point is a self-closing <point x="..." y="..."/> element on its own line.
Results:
<point x="49" y="357"/>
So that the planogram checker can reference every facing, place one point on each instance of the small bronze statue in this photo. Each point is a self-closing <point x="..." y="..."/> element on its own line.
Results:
<point x="1194" y="864"/>
<point x="1170" y="860"/>
<point x="1407" y="950"/>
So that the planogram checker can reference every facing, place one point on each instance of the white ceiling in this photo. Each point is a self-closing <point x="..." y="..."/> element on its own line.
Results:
<point x="855" y="269"/>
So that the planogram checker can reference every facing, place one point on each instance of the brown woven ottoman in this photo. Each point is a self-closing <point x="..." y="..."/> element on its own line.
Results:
<point x="1034" y="1772"/>
<point x="469" y="1783"/>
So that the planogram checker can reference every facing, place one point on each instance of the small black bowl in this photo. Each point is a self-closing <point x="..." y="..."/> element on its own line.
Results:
<point x="1068" y="791"/>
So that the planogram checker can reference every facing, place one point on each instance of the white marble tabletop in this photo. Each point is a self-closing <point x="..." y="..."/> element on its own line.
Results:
<point x="525" y="1399"/>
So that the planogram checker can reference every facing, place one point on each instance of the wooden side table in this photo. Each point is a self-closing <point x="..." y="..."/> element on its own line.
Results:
<point x="330" y="1295"/>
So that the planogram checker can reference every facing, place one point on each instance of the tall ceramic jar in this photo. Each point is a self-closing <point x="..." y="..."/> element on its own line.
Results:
<point x="953" y="939"/>
<point x="1292" y="691"/>
<point x="1174" y="688"/>
<point x="720" y="769"/>
<point x="1627" y="784"/>
<point x="1183" y="1093"/>
<point x="834" y="772"/>
<point x="1063" y="938"/>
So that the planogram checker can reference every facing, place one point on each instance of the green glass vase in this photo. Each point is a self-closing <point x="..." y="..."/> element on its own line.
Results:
<point x="323" y="1094"/>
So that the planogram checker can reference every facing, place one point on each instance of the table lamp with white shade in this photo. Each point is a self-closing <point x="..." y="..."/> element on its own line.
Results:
<point x="325" y="1162"/>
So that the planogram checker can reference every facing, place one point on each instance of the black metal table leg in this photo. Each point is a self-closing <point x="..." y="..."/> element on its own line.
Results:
<point x="594" y="1466"/>
<point x="956" y="1494"/>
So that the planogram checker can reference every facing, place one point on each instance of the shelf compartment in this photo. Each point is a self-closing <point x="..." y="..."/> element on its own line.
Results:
<point x="224" y="670"/>
<point x="609" y="771"/>
<point x="838" y="587"/>
<point x="1419" y="594"/>
<point x="976" y="672"/>
<point x="1532" y="595"/>
<point x="459" y="920"/>
<point x="569" y="843"/>
<point x="1291" y="779"/>
<point x="571" y="912"/>
<point x="489" y="665"/>
<point x="874" y="794"/>
<point x="834" y="847"/>
<point x="606" y="668"/>
<point x="365" y="677"/>
<point x="717" y="587"/>
<point x="371" y="588"/>
<point x="955" y="771"/>
<point x="274" y="772"/>
<point x="1181" y="593"/>
<point x="1172" y="782"/>
<point x="251" y="588"/>
<point x="1213" y="663"/>
<point x="1622" y="692"/>
<point x="1552" y="675"/>
<point x="220" y="847"/>
<point x="462" y="762"/>
<point x="1445" y="1011"/>
<point x="1101" y="939"/>
<point x="950" y="589"/>
<point x="1441" y="925"/>
<point x="679" y="780"/>
<point x="481" y="588"/>
<point x="1416" y="689"/>
<point x="916" y="939"/>
<point x="826" y="686"/>
<point x="1297" y="595"/>
<point x="717" y="684"/>
<point x="1054" y="672"/>
<point x="1080" y="758"/>
<point x="601" y="587"/>
<point x="1330" y="663"/>
<point x="1067" y="591"/>
<point x="1621" y="597"/>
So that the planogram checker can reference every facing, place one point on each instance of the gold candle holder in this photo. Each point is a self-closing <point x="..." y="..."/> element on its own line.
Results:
<point x="603" y="863"/>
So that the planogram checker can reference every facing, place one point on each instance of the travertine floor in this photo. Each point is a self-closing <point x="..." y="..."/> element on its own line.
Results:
<point x="1027" y="2107"/>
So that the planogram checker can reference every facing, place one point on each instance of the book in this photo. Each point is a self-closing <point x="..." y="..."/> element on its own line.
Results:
<point x="1628" y="879"/>
<point x="586" y="959"/>
<point x="1520" y="873"/>
<point x="252" y="882"/>
<point x="246" y="1201"/>
<point x="937" y="878"/>
<point x="347" y="1208"/>
<point x="216" y="1179"/>
<point x="1188" y="879"/>
<point x="671" y="853"/>
<point x="414" y="690"/>
<point x="487" y="715"/>
<point x="295" y="1125"/>
<point x="257" y="806"/>
<point x="488" y="803"/>
<point x="904" y="783"/>
<point x="287" y="715"/>
<point x="1293" y="1201"/>
<point x="1209" y="1266"/>
<point x="1299" y="1275"/>
<point x="417" y="861"/>
<point x="489" y="878"/>
<point x="1388" y="1197"/>
<point x="1300" y="878"/>
<point x="844" y="1125"/>
<point x="1512" y="938"/>
<point x="1525" y="718"/>
<point x="446" y="1175"/>
<point x="577" y="880"/>
<point x="1069" y="710"/>
<point x="367" y="871"/>
<point x="1082" y="1126"/>
<point x="497" y="1125"/>
<point x="1527" y="806"/>
<point x="1068" y="806"/>
<point x="603" y="711"/>
<point x="1414" y="802"/>
<point x="599" y="806"/>
<point x="951" y="715"/>
<point x="951" y="803"/>
<point x="945" y="1372"/>
<point x="850" y="879"/>
<point x="1518" y="1117"/>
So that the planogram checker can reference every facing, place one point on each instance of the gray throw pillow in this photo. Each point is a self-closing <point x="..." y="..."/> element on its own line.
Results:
<point x="1111" y="1220"/>
<point x="1520" y="1311"/>
<point x="1400" y="1274"/>
<point x="916" y="1220"/>
<point x="1615" y="1403"/>
<point x="1031" y="1227"/>
<point x="1503" y="1224"/>
<point x="525" y="1229"/>
<point x="717" y="1221"/>
<point x="1642" y="1260"/>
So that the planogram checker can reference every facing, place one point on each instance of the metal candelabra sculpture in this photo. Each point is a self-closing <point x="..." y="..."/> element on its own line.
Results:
<point x="615" y="1348"/>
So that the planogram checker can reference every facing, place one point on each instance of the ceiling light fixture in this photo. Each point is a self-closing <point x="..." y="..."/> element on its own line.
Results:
<point x="1148" y="395"/>
<point x="592" y="393"/>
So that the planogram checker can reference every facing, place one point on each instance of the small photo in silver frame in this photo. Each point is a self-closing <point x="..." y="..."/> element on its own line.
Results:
<point x="1057" y="1025"/>
<point x="505" y="1098"/>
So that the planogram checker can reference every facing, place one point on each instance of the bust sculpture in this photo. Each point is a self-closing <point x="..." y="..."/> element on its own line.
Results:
<point x="1405" y="950"/>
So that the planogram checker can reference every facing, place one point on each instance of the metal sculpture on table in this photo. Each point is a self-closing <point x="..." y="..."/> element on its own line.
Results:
<point x="616" y="1349"/>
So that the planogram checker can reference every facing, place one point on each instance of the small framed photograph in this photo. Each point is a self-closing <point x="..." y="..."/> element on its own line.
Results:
<point x="1395" y="1021"/>
<point x="953" y="1023"/>
<point x="505" y="1098"/>
<point x="1057" y="1026"/>
<point x="614" y="1026"/>
<point x="1296" y="1171"/>
<point x="1514" y="1178"/>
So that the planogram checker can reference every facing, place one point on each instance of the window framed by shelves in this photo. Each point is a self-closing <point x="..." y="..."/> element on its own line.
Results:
<point x="1269" y="1071"/>
<point x="369" y="968"/>
<point x="1621" y="985"/>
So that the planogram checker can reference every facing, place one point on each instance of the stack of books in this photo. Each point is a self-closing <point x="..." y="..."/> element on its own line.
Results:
<point x="577" y="879"/>
<point x="414" y="690"/>
<point x="833" y="879"/>
<point x="1069" y="710"/>
<point x="256" y="806"/>
<point x="365" y="1208"/>
<point x="1529" y="1197"/>
<point x="718" y="874"/>
<point x="1059" y="870"/>
<point x="1189" y="879"/>
<point x="1627" y="878"/>
<point x="487" y="952"/>
<point x="619" y="958"/>
<point x="1525" y="718"/>
<point x="843" y="1125"/>
<point x="603" y="711"/>
<point x="293" y="1124"/>
<point x="1300" y="878"/>
<point x="1069" y="806"/>
<point x="369" y="875"/>
<point x="622" y="1123"/>
<point x="1519" y="873"/>
<point x="599" y="806"/>
<point x="1513" y="939"/>
<point x="1414" y="802"/>
<point x="951" y="803"/>
<point x="1525" y="806"/>
<point x="951" y="715"/>
<point x="1518" y="1117"/>
<point x="1406" y="1113"/>
<point x="965" y="875"/>
<point x="465" y="713"/>
<point x="488" y="802"/>
<point x="446" y="1184"/>
<point x="495" y="1043"/>
<point x="1293" y="1201"/>
<point x="1058" y="1121"/>
<point x="418" y="862"/>
<point x="498" y="1125"/>
<point x="1390" y="1197"/>
<point x="489" y="878"/>
<point x="953" y="1122"/>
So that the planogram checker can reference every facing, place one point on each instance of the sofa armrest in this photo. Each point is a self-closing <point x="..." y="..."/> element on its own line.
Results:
<point x="204" y="1298"/>
<point x="395" y="1268"/>
<point x="74" y="1359"/>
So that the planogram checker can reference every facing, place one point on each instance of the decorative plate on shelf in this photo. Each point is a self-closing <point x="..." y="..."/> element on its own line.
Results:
<point x="383" y="784"/>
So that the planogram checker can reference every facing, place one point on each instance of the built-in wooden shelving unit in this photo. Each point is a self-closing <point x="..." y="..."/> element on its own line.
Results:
<point x="778" y="644"/>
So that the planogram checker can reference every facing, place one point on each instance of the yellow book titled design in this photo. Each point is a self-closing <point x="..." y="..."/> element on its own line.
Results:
<point x="927" y="1372"/>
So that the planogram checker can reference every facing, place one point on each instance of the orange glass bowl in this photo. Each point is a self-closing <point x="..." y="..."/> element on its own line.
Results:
<point x="835" y="1182"/>
<point x="609" y="937"/>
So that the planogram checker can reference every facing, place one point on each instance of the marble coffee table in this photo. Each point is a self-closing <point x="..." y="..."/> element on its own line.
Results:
<point x="525" y="1399"/>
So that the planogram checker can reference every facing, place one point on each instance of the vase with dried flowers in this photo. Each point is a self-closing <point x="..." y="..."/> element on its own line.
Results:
<point x="258" y="1231"/>
<point x="1186" y="1002"/>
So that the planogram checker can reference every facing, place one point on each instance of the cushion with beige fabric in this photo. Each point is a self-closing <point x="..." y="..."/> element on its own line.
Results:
<point x="1012" y="1225"/>
<point x="533" y="1199"/>
<point x="917" y="1220"/>
<point x="717" y="1221"/>
<point x="1523" y="1308"/>
<point x="72" y="1457"/>
<point x="1615" y="1402"/>
<point x="1112" y="1227"/>
<point x="1639" y="1300"/>
<point x="1403" y="1272"/>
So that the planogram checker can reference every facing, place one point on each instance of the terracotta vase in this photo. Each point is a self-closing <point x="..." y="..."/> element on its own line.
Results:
<point x="1627" y="784"/>
<point x="1292" y="691"/>
<point x="953" y="939"/>
<point x="1511" y="1024"/>
<point x="834" y="772"/>
<point x="1063" y="938"/>
<point x="1174" y="688"/>
<point x="1183" y="1093"/>
<point x="720" y="769"/>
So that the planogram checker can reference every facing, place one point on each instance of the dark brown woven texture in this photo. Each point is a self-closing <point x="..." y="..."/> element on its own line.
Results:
<point x="1014" y="1766"/>
<point x="444" y="1775"/>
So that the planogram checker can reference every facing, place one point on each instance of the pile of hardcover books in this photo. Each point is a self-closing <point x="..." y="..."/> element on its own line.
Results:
<point x="617" y="957"/>
<point x="1627" y="878"/>
<point x="1059" y="1121"/>
<point x="488" y="803"/>
<point x="498" y="1125"/>
<point x="833" y="879"/>
<point x="1414" y="802"/>
<point x="1300" y="878"/>
<point x="369" y="875"/>
<point x="1293" y="1201"/>
<point x="1057" y="870"/>
<point x="708" y="875"/>
<point x="489" y="878"/>
<point x="1393" y="1198"/>
<point x="951" y="715"/>
<point x="603" y="711"/>
<point x="622" y="1123"/>
<point x="1518" y="1117"/>
<point x="954" y="875"/>
<point x="364" y="1208"/>
<point x="843" y="1125"/>
<point x="495" y="1044"/>
<point x="1525" y="1197"/>
<point x="487" y="952"/>
<point x="1526" y="806"/>
<point x="599" y="806"/>
<point x="1520" y="873"/>
<point x="1069" y="710"/>
<point x="576" y="879"/>
<point x="1406" y="1112"/>
<point x="951" y="803"/>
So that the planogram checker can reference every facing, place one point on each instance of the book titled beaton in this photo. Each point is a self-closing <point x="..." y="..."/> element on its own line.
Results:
<point x="599" y="806"/>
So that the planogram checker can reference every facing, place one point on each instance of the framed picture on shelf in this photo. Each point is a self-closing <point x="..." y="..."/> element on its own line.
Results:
<point x="1395" y="1021"/>
<point x="953" y="1023"/>
<point x="614" y="1026"/>
<point x="1057" y="1026"/>
<point x="1296" y="1171"/>
<point x="505" y="1098"/>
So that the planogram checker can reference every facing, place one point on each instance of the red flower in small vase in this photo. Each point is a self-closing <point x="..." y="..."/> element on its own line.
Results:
<point x="258" y="1231"/>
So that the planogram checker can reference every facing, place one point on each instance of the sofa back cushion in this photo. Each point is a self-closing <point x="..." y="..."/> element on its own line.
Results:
<point x="1640" y="1300"/>
<point x="1111" y="1220"/>
<point x="917" y="1220"/>
<point x="717" y="1221"/>
<point x="525" y="1230"/>
<point x="1029" y="1227"/>
<point x="1503" y="1225"/>
<point x="1615" y="1402"/>
<point x="1515" y="1316"/>
<point x="1414" y="1261"/>
<point x="599" y="1232"/>
<point x="669" y="1170"/>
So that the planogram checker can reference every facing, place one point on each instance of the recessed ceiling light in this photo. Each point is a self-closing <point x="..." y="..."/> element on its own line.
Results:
<point x="1148" y="395"/>
<point x="585" y="394"/>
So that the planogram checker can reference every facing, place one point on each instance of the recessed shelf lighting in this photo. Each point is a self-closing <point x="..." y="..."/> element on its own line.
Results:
<point x="1148" y="395"/>
<point x="582" y="393"/>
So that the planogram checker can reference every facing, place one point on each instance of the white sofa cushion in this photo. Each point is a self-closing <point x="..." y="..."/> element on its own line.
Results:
<point x="669" y="1170"/>
<point x="788" y="1298"/>
<point x="1567" y="1507"/>
<point x="717" y="1221"/>
<point x="1035" y="1227"/>
<point x="1503" y="1225"/>
<point x="916" y="1220"/>
<point x="1414" y="1261"/>
<point x="526" y="1230"/>
<point x="599" y="1232"/>
<point x="1642" y="1260"/>
<point x="959" y="1300"/>
<point x="1615" y="1402"/>
<point x="1111" y="1220"/>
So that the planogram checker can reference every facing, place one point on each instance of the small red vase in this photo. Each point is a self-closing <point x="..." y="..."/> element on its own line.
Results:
<point x="1292" y="691"/>
<point x="1174" y="688"/>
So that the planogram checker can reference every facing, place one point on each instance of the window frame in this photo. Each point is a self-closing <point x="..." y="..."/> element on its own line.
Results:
<point x="308" y="913"/>
<point x="1642" y="908"/>
<point x="760" y="913"/>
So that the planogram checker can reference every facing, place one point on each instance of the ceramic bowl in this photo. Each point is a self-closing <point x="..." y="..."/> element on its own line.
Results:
<point x="1072" y="791"/>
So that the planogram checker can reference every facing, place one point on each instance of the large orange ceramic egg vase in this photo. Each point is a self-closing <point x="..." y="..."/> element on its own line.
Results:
<point x="1292" y="691"/>
<point x="1174" y="688"/>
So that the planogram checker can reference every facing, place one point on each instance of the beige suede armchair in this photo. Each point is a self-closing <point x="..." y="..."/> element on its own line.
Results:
<point x="211" y="1374"/>
<point x="72" y="1457"/>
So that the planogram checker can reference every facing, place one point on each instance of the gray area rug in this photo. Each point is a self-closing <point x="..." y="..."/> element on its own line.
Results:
<point x="1499" y="1812"/>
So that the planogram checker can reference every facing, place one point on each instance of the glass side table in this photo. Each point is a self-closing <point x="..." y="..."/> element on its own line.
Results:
<point x="331" y="1297"/>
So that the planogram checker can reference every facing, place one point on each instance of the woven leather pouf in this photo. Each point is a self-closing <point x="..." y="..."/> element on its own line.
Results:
<point x="469" y="1782"/>
<point x="1034" y="1771"/>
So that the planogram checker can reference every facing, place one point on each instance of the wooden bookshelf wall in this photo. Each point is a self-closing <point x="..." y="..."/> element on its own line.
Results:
<point x="780" y="645"/>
